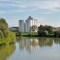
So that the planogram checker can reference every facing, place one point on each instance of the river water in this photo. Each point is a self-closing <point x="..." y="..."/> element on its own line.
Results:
<point x="32" y="49"/>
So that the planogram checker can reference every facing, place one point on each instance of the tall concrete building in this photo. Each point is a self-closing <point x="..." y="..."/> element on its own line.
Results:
<point x="21" y="25"/>
<point x="25" y="26"/>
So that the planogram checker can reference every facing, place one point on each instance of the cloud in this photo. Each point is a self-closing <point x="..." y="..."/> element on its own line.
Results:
<point x="45" y="21"/>
<point x="51" y="23"/>
<point x="16" y="11"/>
<point x="51" y="5"/>
<point x="12" y="11"/>
<point x="2" y="12"/>
<point x="34" y="3"/>
<point x="4" y="0"/>
<point x="12" y="23"/>
<point x="38" y="4"/>
<point x="42" y="6"/>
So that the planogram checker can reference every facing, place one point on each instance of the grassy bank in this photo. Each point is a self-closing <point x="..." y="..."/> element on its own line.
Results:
<point x="35" y="34"/>
<point x="6" y="41"/>
<point x="27" y="34"/>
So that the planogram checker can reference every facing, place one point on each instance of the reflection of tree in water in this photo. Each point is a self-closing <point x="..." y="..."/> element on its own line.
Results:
<point x="32" y="44"/>
<point x="45" y="42"/>
<point x="18" y="39"/>
<point x="6" y="51"/>
<point x="57" y="40"/>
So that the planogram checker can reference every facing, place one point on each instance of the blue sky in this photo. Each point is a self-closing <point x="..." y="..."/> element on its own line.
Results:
<point x="46" y="11"/>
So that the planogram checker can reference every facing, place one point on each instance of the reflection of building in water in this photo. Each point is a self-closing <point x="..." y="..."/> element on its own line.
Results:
<point x="21" y="44"/>
<point x="30" y="44"/>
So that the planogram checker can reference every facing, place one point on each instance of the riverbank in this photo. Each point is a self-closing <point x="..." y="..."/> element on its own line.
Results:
<point x="6" y="41"/>
<point x="35" y="34"/>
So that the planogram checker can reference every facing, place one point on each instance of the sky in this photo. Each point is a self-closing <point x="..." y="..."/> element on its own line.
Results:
<point x="46" y="11"/>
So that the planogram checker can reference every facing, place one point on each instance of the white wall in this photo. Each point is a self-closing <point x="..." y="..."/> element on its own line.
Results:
<point x="25" y="26"/>
<point x="21" y="25"/>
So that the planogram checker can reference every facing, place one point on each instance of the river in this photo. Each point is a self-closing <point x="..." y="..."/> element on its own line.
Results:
<point x="32" y="49"/>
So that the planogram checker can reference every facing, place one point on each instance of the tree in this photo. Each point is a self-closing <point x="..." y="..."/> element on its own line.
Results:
<point x="33" y="28"/>
<point x="6" y="36"/>
<point x="3" y="24"/>
<point x="57" y="33"/>
<point x="49" y="28"/>
<point x="45" y="28"/>
<point x="41" y="28"/>
<point x="9" y="34"/>
<point x="1" y="34"/>
<point x="43" y="33"/>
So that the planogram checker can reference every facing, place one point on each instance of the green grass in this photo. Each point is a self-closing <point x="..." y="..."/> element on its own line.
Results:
<point x="25" y="33"/>
<point x="6" y="41"/>
<point x="29" y="33"/>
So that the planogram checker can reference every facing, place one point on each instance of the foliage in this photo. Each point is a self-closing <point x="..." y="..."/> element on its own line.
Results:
<point x="3" y="24"/>
<point x="33" y="28"/>
<point x="45" y="30"/>
<point x="49" y="28"/>
<point x="46" y="27"/>
<point x="56" y="33"/>
<point x="18" y="33"/>
<point x="43" y="33"/>
<point x="3" y="21"/>
<point x="41" y="28"/>
<point x="6" y="36"/>
<point x="1" y="34"/>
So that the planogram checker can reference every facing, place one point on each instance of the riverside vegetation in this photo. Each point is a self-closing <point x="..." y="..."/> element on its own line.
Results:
<point x="43" y="31"/>
<point x="6" y="36"/>
<point x="48" y="31"/>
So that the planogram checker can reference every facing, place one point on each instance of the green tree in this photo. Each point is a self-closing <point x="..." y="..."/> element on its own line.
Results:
<point x="46" y="28"/>
<point x="57" y="33"/>
<point x="49" y="28"/>
<point x="10" y="35"/>
<point x="6" y="36"/>
<point x="43" y="33"/>
<point x="3" y="24"/>
<point x="1" y="34"/>
<point x="41" y="28"/>
<point x="33" y="28"/>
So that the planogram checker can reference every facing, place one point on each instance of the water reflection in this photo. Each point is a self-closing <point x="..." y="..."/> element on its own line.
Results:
<point x="32" y="44"/>
<point x="32" y="49"/>
<point x="57" y="41"/>
<point x="6" y="51"/>
<point x="28" y="43"/>
<point x="45" y="42"/>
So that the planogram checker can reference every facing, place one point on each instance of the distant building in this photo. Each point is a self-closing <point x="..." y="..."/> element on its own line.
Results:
<point x="21" y="25"/>
<point x="24" y="26"/>
<point x="14" y="28"/>
<point x="56" y="28"/>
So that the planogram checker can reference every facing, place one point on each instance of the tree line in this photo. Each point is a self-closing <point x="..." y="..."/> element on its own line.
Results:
<point x="48" y="31"/>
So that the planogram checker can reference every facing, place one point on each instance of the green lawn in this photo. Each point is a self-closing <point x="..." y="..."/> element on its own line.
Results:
<point x="29" y="33"/>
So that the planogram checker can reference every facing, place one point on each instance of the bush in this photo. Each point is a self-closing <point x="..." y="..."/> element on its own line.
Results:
<point x="56" y="33"/>
<point x="1" y="34"/>
<point x="10" y="35"/>
<point x="43" y="33"/>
